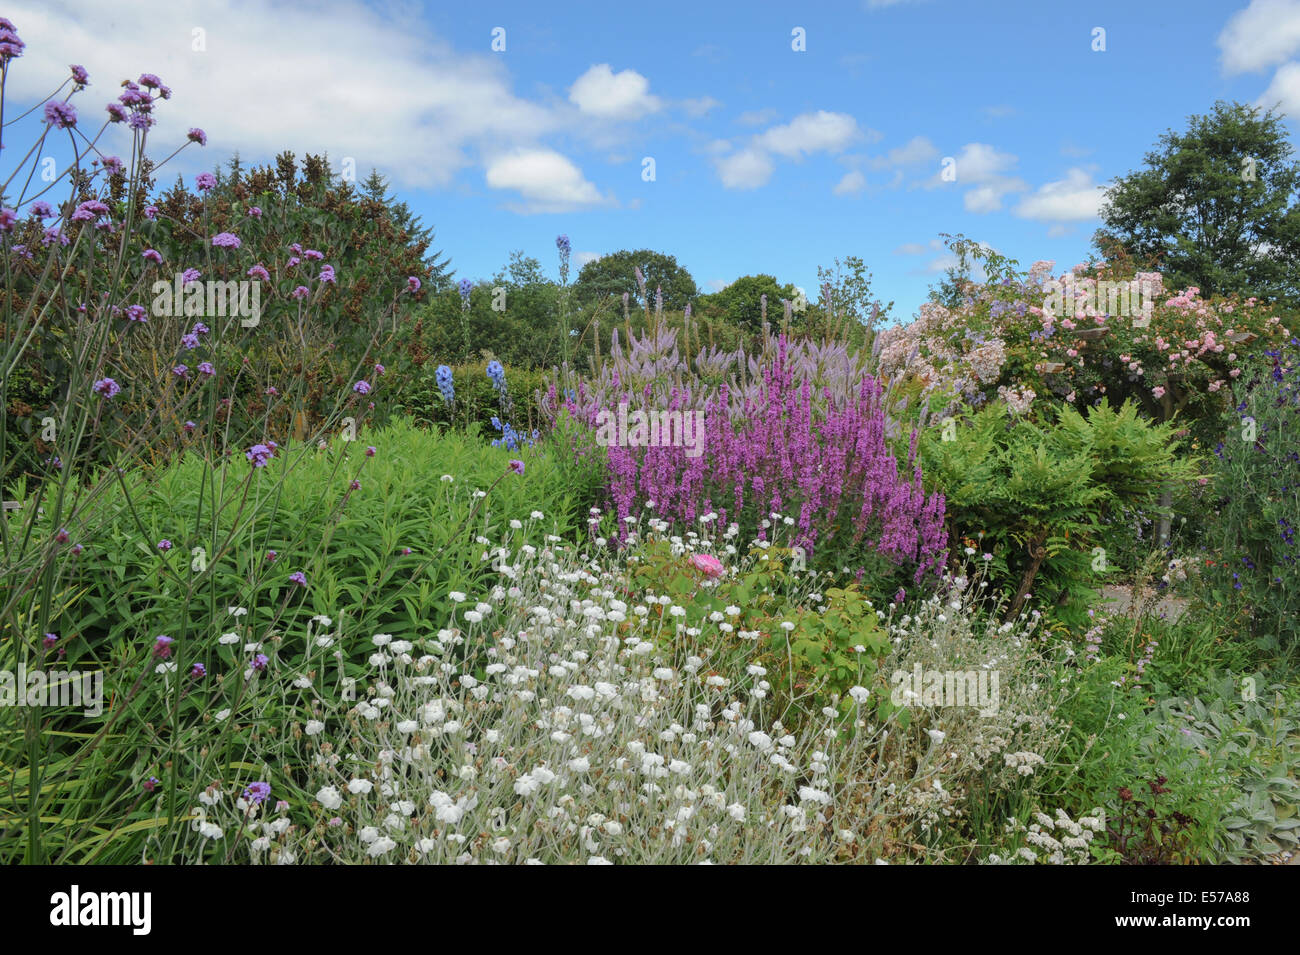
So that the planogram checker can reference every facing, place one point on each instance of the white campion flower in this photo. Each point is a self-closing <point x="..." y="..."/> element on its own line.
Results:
<point x="360" y="786"/>
<point x="315" y="727"/>
<point x="580" y="764"/>
<point x="736" y="811"/>
<point x="456" y="597"/>
<point x="580" y="692"/>
<point x="859" y="694"/>
<point x="936" y="735"/>
<point x="473" y="616"/>
<point x="380" y="846"/>
<point x="408" y="726"/>
<point x="760" y="740"/>
<point x="210" y="830"/>
<point x="382" y="639"/>
<point x="226" y="639"/>
<point x="221" y="714"/>
<point x="536" y="515"/>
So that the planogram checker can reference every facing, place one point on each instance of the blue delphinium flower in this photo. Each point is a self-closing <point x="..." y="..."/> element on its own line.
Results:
<point x="445" y="385"/>
<point x="497" y="374"/>
<point x="466" y="286"/>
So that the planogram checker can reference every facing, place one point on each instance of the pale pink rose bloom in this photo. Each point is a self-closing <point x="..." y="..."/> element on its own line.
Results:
<point x="707" y="564"/>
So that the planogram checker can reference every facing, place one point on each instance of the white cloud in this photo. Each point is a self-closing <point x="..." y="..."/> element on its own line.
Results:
<point x="915" y="150"/>
<point x="757" y="117"/>
<point x="822" y="131"/>
<point x="602" y="93"/>
<point x="548" y="181"/>
<point x="811" y="132"/>
<point x="852" y="184"/>
<point x="977" y="163"/>
<point x="1284" y="89"/>
<point x="1264" y="34"/>
<point x="1072" y="199"/>
<point x="700" y="106"/>
<point x="415" y="108"/>
<point x="986" y="198"/>
<point x="582" y="258"/>
<point x="916" y="248"/>
<point x="747" y="169"/>
<point x="716" y="285"/>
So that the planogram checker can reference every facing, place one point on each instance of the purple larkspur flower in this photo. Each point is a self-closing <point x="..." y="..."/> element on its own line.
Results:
<point x="162" y="647"/>
<point x="257" y="793"/>
<point x="255" y="211"/>
<point x="116" y="114"/>
<point x="106" y="387"/>
<point x="355" y="485"/>
<point x="327" y="273"/>
<point x="271" y="392"/>
<point x="10" y="45"/>
<point x="197" y="135"/>
<point x="379" y="369"/>
<point x="198" y="671"/>
<point x="89" y="211"/>
<point x="150" y="81"/>
<point x="151" y="784"/>
<point x="153" y="255"/>
<point x="189" y="427"/>
<point x="412" y="284"/>
<point x="299" y="578"/>
<point x="205" y="368"/>
<point x="79" y="75"/>
<point x="301" y="292"/>
<point x="8" y="218"/>
<point x="60" y="115"/>
<point x="517" y="466"/>
<point x="189" y="341"/>
<point x="140" y="121"/>
<point x="226" y="240"/>
<point x="164" y="545"/>
<point x="41" y="209"/>
<point x="50" y="640"/>
<point x="259" y="454"/>
<point x="312" y="254"/>
<point x="205" y="181"/>
<point x="271" y="555"/>
<point x="190" y="275"/>
<point x="370" y="451"/>
<point x="362" y="387"/>
<point x="180" y="371"/>
<point x="137" y="313"/>
<point x="62" y="536"/>
<point x="113" y="164"/>
<point x="151" y="212"/>
<point x="77" y="548"/>
<point x="259" y="272"/>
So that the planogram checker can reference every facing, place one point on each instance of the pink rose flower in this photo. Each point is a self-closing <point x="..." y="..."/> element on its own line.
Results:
<point x="707" y="564"/>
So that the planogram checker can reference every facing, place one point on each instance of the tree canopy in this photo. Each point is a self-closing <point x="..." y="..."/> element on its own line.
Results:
<point x="1216" y="207"/>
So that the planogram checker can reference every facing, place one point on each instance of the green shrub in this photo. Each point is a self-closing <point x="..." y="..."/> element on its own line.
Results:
<point x="1257" y="485"/>
<point x="1033" y="494"/>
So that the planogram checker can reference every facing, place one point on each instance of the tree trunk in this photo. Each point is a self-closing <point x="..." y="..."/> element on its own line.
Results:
<point x="1037" y="553"/>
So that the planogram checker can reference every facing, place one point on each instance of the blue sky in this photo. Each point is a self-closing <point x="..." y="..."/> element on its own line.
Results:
<point x="766" y="159"/>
